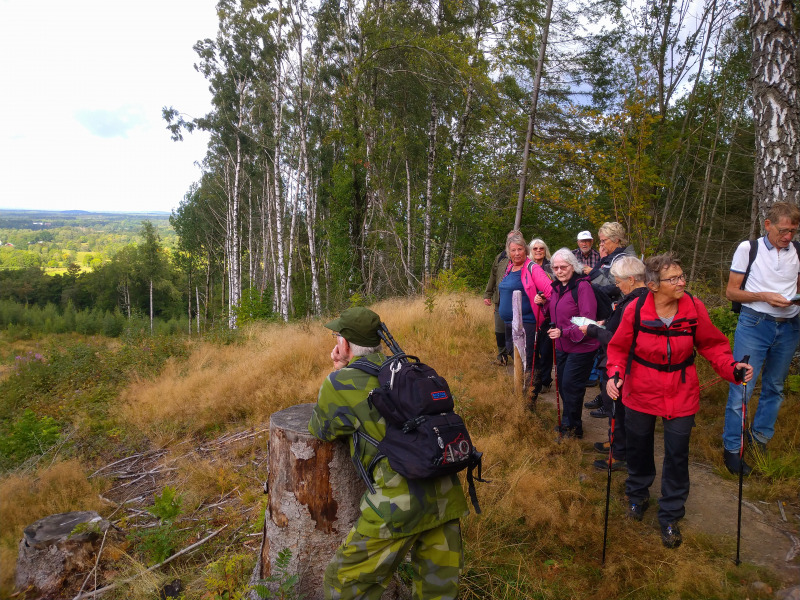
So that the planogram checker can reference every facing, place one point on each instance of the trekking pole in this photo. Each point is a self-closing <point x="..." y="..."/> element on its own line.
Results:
<point x="558" y="401"/>
<point x="383" y="333"/>
<point x="610" y="458"/>
<point x="745" y="360"/>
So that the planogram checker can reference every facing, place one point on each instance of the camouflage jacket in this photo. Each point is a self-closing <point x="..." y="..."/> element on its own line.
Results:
<point x="399" y="507"/>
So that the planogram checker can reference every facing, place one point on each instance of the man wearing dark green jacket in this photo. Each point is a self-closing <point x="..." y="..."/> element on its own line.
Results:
<point x="402" y="515"/>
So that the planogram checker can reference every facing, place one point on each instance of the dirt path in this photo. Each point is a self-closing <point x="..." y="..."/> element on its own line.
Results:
<point x="712" y="506"/>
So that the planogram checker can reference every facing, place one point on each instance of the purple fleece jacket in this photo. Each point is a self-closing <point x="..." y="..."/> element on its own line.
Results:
<point x="562" y="308"/>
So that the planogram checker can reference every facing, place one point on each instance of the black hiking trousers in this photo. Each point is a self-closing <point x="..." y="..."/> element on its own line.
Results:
<point x="640" y="430"/>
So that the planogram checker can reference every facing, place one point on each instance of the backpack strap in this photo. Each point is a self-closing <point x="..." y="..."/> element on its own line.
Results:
<point x="637" y="327"/>
<point x="751" y="257"/>
<point x="475" y="460"/>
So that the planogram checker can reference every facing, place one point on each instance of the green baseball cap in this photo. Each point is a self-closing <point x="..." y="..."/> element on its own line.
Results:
<point x="358" y="325"/>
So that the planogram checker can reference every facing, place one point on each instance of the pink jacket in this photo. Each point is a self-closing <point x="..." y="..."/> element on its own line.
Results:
<point x="534" y="280"/>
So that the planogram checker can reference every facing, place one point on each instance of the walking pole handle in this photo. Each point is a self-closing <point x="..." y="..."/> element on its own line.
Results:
<point x="738" y="374"/>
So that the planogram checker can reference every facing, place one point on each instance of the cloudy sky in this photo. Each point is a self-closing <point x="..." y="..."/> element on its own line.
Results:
<point x="82" y="87"/>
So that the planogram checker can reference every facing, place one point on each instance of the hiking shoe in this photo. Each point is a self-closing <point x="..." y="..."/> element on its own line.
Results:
<point x="570" y="432"/>
<point x="501" y="360"/>
<point x="636" y="509"/>
<point x="601" y="447"/>
<point x="600" y="413"/>
<point x="593" y="404"/>
<point x="732" y="461"/>
<point x="601" y="464"/>
<point x="671" y="535"/>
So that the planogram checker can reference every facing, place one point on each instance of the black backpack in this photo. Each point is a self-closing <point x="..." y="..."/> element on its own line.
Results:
<point x="751" y="257"/>
<point x="424" y="437"/>
<point x="604" y="304"/>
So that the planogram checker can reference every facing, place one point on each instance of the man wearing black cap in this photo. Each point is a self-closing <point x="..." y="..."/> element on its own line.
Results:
<point x="420" y="516"/>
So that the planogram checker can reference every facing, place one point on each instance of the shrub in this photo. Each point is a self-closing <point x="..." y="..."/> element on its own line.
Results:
<point x="28" y="436"/>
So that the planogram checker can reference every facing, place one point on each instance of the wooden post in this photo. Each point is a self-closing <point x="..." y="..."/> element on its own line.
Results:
<point x="518" y="335"/>
<point x="314" y="497"/>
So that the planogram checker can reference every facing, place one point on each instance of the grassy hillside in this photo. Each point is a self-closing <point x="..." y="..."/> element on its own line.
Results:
<point x="167" y="439"/>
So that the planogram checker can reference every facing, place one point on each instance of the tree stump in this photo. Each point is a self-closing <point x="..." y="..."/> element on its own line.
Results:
<point x="49" y="555"/>
<point x="314" y="496"/>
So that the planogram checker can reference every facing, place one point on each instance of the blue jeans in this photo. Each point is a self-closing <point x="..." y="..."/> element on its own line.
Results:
<point x="770" y="345"/>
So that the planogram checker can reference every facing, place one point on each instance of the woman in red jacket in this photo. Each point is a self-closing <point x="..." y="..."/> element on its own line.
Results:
<point x="651" y="362"/>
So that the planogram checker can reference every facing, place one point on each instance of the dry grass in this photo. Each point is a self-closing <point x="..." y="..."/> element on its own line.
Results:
<point x="541" y="531"/>
<point x="25" y="498"/>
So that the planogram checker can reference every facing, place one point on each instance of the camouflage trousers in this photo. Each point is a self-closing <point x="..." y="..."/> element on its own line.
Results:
<point x="363" y="566"/>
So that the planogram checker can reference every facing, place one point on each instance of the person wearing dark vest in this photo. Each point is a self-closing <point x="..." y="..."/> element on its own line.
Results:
<point x="491" y="297"/>
<point x="651" y="367"/>
<point x="628" y="273"/>
<point x="768" y="329"/>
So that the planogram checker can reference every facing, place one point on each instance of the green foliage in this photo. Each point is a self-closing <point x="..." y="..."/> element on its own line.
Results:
<point x="430" y="300"/>
<point x="76" y="382"/>
<point x="286" y="583"/>
<point x="159" y="542"/>
<point x="167" y="505"/>
<point x="724" y="319"/>
<point x="28" y="435"/>
<point x="449" y="281"/>
<point x="254" y="306"/>
<point x="226" y="578"/>
<point x="778" y="465"/>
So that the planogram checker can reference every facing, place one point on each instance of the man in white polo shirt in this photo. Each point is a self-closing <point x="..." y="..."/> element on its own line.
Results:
<point x="768" y="328"/>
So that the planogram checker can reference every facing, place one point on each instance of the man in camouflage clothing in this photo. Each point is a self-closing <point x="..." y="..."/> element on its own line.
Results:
<point x="420" y="515"/>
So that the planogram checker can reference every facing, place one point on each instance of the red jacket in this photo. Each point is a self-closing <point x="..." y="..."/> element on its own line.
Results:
<point x="658" y="392"/>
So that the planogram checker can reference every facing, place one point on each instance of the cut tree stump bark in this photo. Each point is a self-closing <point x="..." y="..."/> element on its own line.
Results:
<point x="56" y="548"/>
<point x="314" y="496"/>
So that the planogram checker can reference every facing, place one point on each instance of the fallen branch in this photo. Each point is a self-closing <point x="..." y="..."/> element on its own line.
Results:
<point x="113" y="586"/>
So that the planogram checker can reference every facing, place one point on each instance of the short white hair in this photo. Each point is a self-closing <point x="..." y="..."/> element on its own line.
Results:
<point x="357" y="350"/>
<point x="535" y="241"/>
<point x="567" y="256"/>
<point x="628" y="266"/>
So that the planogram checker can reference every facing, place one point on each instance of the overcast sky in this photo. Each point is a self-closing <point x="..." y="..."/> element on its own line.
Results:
<point x="82" y="84"/>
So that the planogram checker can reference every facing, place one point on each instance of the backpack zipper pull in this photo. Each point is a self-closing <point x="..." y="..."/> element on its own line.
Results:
<point x="439" y="439"/>
<point x="395" y="369"/>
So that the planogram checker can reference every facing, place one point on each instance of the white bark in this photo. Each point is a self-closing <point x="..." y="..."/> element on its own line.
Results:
<point x="775" y="109"/>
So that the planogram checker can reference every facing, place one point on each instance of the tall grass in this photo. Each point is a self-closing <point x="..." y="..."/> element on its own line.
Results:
<point x="541" y="530"/>
<point x="540" y="533"/>
<point x="25" y="498"/>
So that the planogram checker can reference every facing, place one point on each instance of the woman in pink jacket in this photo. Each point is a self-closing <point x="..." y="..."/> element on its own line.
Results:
<point x="524" y="275"/>
<point x="651" y="366"/>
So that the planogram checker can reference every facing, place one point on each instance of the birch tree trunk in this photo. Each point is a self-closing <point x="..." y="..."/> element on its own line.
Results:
<point x="537" y="82"/>
<point x="429" y="189"/>
<point x="776" y="111"/>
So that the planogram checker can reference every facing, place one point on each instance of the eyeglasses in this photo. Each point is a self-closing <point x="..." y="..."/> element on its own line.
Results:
<point x="783" y="232"/>
<point x="675" y="280"/>
<point x="560" y="267"/>
<point x="336" y="334"/>
<point x="603" y="240"/>
<point x="538" y="249"/>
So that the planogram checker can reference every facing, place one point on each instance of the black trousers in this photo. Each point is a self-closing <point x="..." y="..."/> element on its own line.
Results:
<point x="640" y="428"/>
<point x="572" y="370"/>
<point x="620" y="445"/>
<point x="544" y="358"/>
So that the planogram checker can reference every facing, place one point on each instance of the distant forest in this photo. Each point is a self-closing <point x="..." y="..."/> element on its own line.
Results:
<point x="364" y="150"/>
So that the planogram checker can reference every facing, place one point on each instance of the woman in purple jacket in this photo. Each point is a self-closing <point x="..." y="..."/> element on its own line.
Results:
<point x="574" y="351"/>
